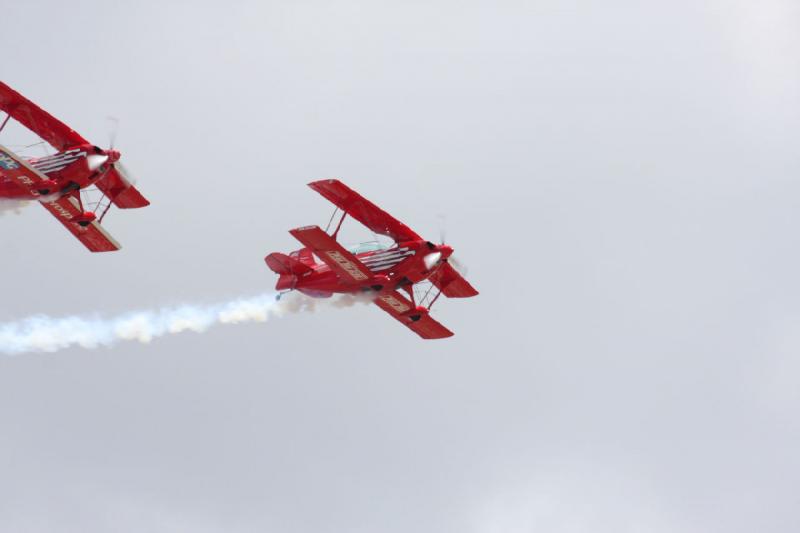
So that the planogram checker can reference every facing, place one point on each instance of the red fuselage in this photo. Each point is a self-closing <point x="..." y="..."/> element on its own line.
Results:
<point x="66" y="171"/>
<point x="391" y="268"/>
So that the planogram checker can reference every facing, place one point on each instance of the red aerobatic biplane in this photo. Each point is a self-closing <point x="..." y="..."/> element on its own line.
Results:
<point x="57" y="180"/>
<point x="382" y="270"/>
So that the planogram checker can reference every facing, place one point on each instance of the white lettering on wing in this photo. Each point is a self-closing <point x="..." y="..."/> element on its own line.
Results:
<point x="394" y="303"/>
<point x="347" y="265"/>
<point x="63" y="213"/>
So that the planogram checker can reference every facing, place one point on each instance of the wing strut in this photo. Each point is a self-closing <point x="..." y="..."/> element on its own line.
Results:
<point x="8" y="116"/>
<point x="338" y="226"/>
<point x="105" y="209"/>
<point x="434" y="299"/>
<point x="330" y="221"/>
<point x="335" y="233"/>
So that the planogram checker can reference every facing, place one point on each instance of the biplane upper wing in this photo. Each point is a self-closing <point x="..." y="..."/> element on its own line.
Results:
<point x="345" y="264"/>
<point x="56" y="133"/>
<point x="93" y="236"/>
<point x="120" y="191"/>
<point x="451" y="283"/>
<point x="397" y="305"/>
<point x="361" y="209"/>
<point x="65" y="209"/>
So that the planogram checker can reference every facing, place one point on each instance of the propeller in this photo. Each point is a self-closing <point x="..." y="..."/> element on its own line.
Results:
<point x="97" y="161"/>
<point x="112" y="133"/>
<point x="431" y="262"/>
<point x="442" y="227"/>
<point x="458" y="265"/>
<point x="124" y="173"/>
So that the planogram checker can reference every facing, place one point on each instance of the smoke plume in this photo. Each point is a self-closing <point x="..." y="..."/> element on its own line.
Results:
<point x="9" y="206"/>
<point x="42" y="333"/>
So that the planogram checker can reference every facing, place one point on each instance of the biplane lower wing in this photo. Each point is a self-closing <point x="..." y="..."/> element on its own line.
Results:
<point x="451" y="283"/>
<point x="66" y="209"/>
<point x="402" y="309"/>
<point x="361" y="209"/>
<point x="93" y="236"/>
<point x="346" y="265"/>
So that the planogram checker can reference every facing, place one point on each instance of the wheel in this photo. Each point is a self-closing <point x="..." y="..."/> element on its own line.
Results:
<point x="43" y="192"/>
<point x="84" y="223"/>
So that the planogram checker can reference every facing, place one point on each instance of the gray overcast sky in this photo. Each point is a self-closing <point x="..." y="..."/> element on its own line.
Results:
<point x="621" y="178"/>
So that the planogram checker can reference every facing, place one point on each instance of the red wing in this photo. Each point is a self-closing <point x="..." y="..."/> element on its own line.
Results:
<point x="361" y="209"/>
<point x="450" y="282"/>
<point x="345" y="264"/>
<point x="65" y="209"/>
<point x="93" y="236"/>
<point x="19" y="171"/>
<point x="397" y="305"/>
<point x="39" y="121"/>
<point x="122" y="193"/>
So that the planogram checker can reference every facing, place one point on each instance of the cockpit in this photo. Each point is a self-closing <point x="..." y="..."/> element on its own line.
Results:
<point x="364" y="247"/>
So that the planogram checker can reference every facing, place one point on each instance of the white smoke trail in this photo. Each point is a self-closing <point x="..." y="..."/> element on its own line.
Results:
<point x="42" y="333"/>
<point x="13" y="206"/>
<point x="10" y="206"/>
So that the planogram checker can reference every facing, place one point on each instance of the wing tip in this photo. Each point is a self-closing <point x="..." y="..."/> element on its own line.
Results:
<point x="319" y="184"/>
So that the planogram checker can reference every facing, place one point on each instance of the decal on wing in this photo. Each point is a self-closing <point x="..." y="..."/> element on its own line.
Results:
<point x="346" y="265"/>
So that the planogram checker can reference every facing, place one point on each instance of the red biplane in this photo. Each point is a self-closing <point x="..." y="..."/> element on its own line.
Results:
<point x="58" y="180"/>
<point x="382" y="271"/>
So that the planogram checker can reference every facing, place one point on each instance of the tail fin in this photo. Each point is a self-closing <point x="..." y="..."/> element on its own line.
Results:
<point x="305" y="256"/>
<point x="283" y="264"/>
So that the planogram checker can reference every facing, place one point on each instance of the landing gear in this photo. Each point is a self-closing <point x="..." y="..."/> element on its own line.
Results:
<point x="86" y="218"/>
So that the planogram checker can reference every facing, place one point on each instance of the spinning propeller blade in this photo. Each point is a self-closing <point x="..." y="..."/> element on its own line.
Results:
<point x="112" y="133"/>
<point x="457" y="265"/>
<point x="124" y="173"/>
<point x="442" y="239"/>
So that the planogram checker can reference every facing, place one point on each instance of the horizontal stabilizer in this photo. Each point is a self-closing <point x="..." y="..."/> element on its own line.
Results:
<point x="283" y="264"/>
